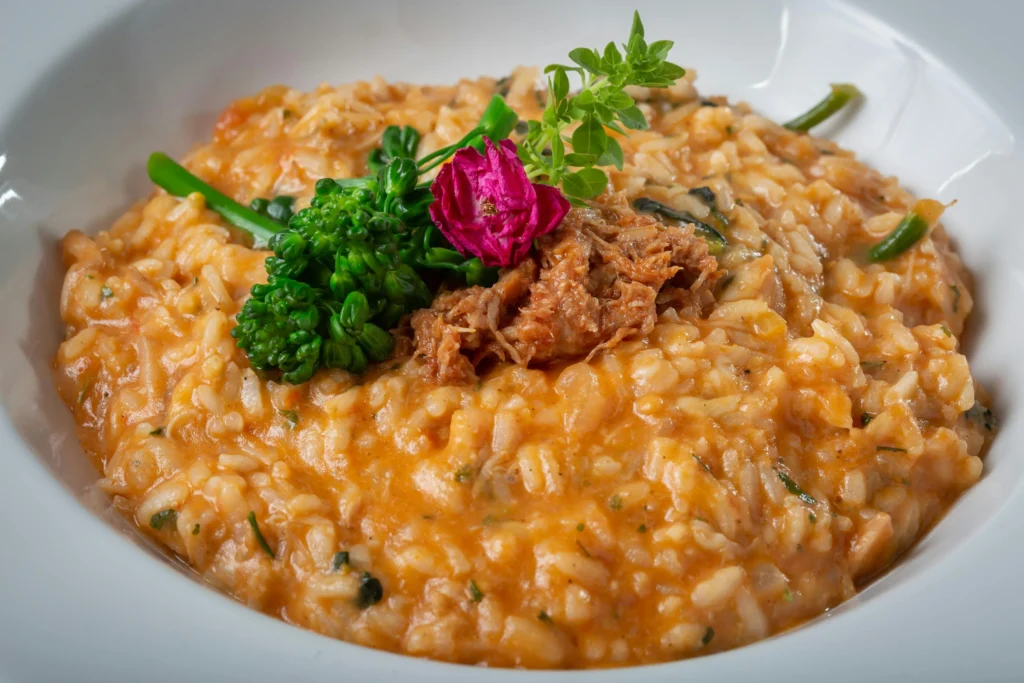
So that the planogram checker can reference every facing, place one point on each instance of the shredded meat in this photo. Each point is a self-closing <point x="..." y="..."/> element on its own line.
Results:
<point x="601" y="277"/>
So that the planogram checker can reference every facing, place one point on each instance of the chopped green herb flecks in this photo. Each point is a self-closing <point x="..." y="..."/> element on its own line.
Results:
<point x="981" y="415"/>
<point x="871" y="364"/>
<point x="163" y="518"/>
<point x="892" y="449"/>
<point x="291" y="416"/>
<point x="787" y="595"/>
<point x="475" y="594"/>
<point x="195" y="530"/>
<point x="340" y="560"/>
<point x="582" y="548"/>
<point x="545" y="617"/>
<point x="841" y="95"/>
<point x="259" y="535"/>
<point x="370" y="591"/>
<point x="945" y="330"/>
<point x="464" y="473"/>
<point x="642" y="529"/>
<point x="106" y="292"/>
<point x="615" y="502"/>
<point x="580" y="527"/>
<point x="708" y="635"/>
<point x="159" y="431"/>
<point x="812" y="517"/>
<point x="795" y="489"/>
<point x="865" y="418"/>
<point x="700" y="462"/>
<point x="490" y="520"/>
<point x="956" y="298"/>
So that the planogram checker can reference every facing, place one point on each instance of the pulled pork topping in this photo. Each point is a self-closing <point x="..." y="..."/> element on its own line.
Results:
<point x="600" y="278"/>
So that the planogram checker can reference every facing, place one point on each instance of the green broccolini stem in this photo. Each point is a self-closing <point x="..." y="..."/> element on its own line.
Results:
<point x="905" y="235"/>
<point x="922" y="216"/>
<point x="841" y="95"/>
<point x="178" y="181"/>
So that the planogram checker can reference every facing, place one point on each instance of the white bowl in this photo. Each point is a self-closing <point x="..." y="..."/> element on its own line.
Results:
<point x="90" y="88"/>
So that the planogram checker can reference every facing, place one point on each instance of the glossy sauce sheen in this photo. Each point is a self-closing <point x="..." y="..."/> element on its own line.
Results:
<point x="726" y="478"/>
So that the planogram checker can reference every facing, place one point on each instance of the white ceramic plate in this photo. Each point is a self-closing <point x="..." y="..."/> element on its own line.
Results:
<point x="88" y="89"/>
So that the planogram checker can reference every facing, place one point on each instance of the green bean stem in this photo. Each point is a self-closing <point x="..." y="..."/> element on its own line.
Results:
<point x="840" y="96"/>
<point x="179" y="182"/>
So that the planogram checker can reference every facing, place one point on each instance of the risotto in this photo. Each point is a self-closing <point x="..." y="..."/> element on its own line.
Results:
<point x="742" y="468"/>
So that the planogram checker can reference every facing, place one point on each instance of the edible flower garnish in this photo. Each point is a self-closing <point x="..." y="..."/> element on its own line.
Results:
<point x="485" y="205"/>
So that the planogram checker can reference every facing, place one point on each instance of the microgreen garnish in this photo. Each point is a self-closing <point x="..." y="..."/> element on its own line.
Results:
<point x="601" y="103"/>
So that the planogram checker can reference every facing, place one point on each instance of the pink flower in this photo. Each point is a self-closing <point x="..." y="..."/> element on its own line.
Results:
<point x="486" y="206"/>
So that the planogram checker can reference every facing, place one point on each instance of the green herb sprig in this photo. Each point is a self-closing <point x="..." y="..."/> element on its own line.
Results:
<point x="601" y="104"/>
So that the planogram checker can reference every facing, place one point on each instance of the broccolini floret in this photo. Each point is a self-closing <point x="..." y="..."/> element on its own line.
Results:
<point x="348" y="267"/>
